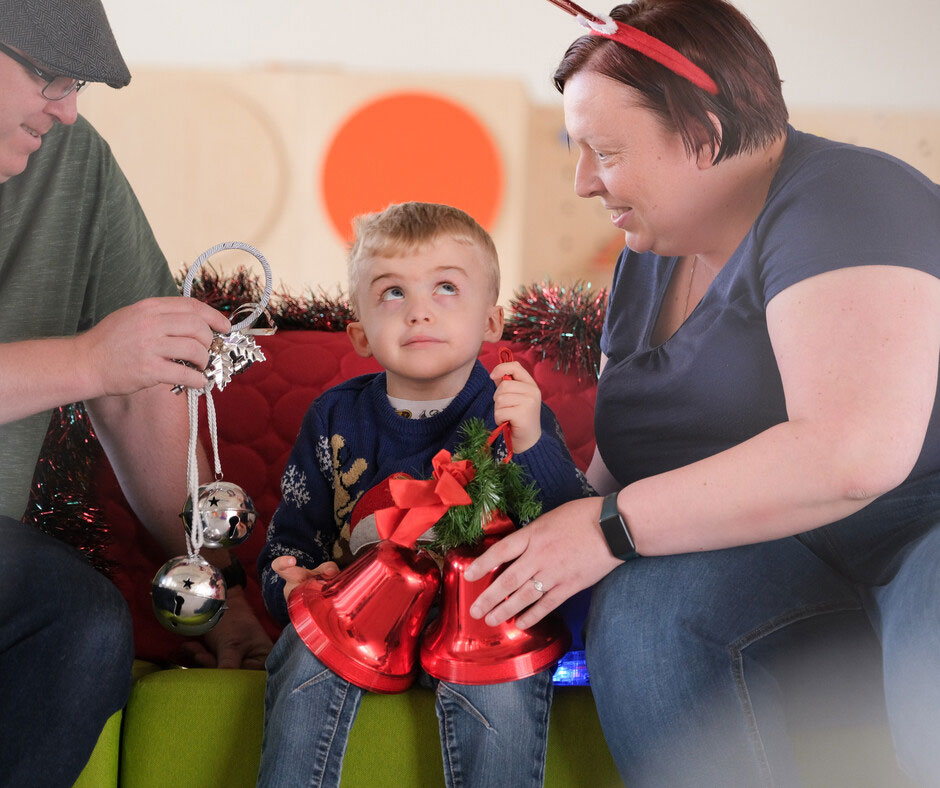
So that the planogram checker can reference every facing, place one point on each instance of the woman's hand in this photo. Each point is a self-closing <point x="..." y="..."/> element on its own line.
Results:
<point x="564" y="550"/>
<point x="293" y="575"/>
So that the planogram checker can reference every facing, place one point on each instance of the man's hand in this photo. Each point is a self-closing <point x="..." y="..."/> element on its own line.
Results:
<point x="139" y="346"/>
<point x="237" y="641"/>
<point x="518" y="401"/>
<point x="293" y="575"/>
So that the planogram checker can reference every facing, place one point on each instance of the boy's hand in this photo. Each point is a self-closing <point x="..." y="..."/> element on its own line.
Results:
<point x="519" y="402"/>
<point x="293" y="575"/>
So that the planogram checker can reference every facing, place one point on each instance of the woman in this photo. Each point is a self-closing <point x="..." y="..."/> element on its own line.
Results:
<point x="767" y="415"/>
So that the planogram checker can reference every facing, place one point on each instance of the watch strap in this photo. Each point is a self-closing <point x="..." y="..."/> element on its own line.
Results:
<point x="234" y="573"/>
<point x="615" y="530"/>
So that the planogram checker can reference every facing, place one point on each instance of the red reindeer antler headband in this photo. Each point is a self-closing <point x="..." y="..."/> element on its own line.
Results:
<point x="642" y="42"/>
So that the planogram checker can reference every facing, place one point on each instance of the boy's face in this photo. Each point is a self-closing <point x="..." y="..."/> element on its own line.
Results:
<point x="424" y="316"/>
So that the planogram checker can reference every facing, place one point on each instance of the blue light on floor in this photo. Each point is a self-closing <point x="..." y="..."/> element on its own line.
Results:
<point x="571" y="671"/>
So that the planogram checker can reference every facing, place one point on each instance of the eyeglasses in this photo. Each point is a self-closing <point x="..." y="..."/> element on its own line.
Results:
<point x="57" y="86"/>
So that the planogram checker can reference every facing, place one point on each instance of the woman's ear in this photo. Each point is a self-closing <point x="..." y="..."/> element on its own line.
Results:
<point x="707" y="153"/>
<point x="360" y="342"/>
<point x="493" y="331"/>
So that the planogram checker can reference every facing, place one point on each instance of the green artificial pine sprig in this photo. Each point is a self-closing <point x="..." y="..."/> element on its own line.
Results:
<point x="497" y="486"/>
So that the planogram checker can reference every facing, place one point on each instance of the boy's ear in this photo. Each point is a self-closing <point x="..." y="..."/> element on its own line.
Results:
<point x="494" y="324"/>
<point x="360" y="342"/>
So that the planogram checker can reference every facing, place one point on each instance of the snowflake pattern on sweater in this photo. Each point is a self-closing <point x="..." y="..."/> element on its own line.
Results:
<point x="294" y="490"/>
<point x="352" y="439"/>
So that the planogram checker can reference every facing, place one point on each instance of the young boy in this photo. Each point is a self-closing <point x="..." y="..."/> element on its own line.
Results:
<point x="424" y="280"/>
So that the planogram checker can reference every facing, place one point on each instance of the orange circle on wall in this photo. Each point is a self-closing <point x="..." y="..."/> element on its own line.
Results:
<point x="411" y="146"/>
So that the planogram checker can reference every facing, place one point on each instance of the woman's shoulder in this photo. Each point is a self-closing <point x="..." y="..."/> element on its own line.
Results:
<point x="812" y="164"/>
<point x="835" y="205"/>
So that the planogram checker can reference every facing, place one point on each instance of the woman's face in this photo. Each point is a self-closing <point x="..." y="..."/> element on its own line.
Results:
<point x="655" y="191"/>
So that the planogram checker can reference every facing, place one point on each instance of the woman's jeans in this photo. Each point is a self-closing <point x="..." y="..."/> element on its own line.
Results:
<point x="65" y="657"/>
<point x="491" y="736"/>
<point x="678" y="646"/>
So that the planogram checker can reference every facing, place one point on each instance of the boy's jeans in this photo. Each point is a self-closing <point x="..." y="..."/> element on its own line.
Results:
<point x="492" y="735"/>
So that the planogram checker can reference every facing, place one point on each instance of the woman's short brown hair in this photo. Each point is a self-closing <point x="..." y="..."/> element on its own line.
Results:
<point x="715" y="36"/>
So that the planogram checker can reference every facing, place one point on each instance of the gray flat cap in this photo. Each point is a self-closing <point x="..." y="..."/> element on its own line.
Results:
<point x="68" y="37"/>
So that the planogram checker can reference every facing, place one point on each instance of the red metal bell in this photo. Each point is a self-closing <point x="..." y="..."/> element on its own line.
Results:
<point x="364" y="622"/>
<point x="466" y="650"/>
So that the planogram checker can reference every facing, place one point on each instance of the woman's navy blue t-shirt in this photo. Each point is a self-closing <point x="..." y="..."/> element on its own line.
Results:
<point x="715" y="382"/>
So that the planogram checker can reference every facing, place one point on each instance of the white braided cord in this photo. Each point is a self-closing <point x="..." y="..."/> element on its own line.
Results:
<point x="196" y="536"/>
<point x="268" y="285"/>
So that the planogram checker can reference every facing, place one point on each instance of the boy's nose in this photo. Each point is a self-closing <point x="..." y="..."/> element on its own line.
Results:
<point x="420" y="311"/>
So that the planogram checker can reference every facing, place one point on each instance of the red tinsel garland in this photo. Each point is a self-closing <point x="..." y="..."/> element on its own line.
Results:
<point x="563" y="323"/>
<point x="59" y="498"/>
<point x="316" y="312"/>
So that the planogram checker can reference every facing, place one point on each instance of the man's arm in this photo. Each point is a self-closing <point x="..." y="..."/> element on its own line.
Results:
<point x="131" y="349"/>
<point x="145" y="436"/>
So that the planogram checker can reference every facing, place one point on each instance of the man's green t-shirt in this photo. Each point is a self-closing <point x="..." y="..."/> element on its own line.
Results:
<point x="74" y="247"/>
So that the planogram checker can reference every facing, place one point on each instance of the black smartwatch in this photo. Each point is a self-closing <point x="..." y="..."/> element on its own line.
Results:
<point x="234" y="573"/>
<point x="615" y="530"/>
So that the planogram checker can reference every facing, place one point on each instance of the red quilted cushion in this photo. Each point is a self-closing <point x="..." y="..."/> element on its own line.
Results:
<point x="259" y="415"/>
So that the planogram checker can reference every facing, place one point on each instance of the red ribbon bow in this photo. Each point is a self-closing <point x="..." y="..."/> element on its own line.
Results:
<point x="421" y="503"/>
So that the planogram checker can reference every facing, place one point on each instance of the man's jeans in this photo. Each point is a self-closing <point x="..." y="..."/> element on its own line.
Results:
<point x="678" y="647"/>
<point x="65" y="657"/>
<point x="494" y="735"/>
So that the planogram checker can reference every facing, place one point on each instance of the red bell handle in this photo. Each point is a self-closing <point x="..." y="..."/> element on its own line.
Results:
<point x="505" y="354"/>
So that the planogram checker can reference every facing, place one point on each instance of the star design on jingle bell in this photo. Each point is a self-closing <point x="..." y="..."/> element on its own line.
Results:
<point x="188" y="582"/>
<point x="213" y="501"/>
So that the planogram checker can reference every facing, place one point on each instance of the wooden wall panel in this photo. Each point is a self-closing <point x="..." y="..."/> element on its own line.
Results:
<point x="220" y="156"/>
<point x="237" y="155"/>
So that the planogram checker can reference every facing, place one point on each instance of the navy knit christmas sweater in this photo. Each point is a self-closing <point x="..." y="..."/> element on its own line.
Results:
<point x="352" y="439"/>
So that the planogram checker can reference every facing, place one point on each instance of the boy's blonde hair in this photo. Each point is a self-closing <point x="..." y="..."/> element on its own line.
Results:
<point x="403" y="227"/>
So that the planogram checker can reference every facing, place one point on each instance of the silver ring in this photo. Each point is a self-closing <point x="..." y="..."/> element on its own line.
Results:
<point x="538" y="585"/>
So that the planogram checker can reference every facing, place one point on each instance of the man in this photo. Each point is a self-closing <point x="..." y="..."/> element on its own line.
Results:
<point x="88" y="311"/>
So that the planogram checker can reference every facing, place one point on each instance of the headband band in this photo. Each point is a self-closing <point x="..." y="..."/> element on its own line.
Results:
<point x="641" y="42"/>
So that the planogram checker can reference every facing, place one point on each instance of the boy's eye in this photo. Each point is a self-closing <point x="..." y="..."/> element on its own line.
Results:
<point x="392" y="294"/>
<point x="446" y="288"/>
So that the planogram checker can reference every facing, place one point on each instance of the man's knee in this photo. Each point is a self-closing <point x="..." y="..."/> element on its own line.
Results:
<point x="68" y="613"/>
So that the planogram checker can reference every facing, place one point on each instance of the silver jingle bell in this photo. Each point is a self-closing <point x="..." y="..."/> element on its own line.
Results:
<point x="188" y="595"/>
<point x="228" y="514"/>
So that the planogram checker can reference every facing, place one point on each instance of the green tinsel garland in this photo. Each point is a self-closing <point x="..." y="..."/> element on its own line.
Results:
<point x="497" y="486"/>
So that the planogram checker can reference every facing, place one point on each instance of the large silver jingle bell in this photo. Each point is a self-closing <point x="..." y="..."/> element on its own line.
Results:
<point x="188" y="595"/>
<point x="228" y="514"/>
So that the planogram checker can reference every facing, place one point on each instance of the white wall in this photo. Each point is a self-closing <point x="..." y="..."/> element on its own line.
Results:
<point x="836" y="53"/>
